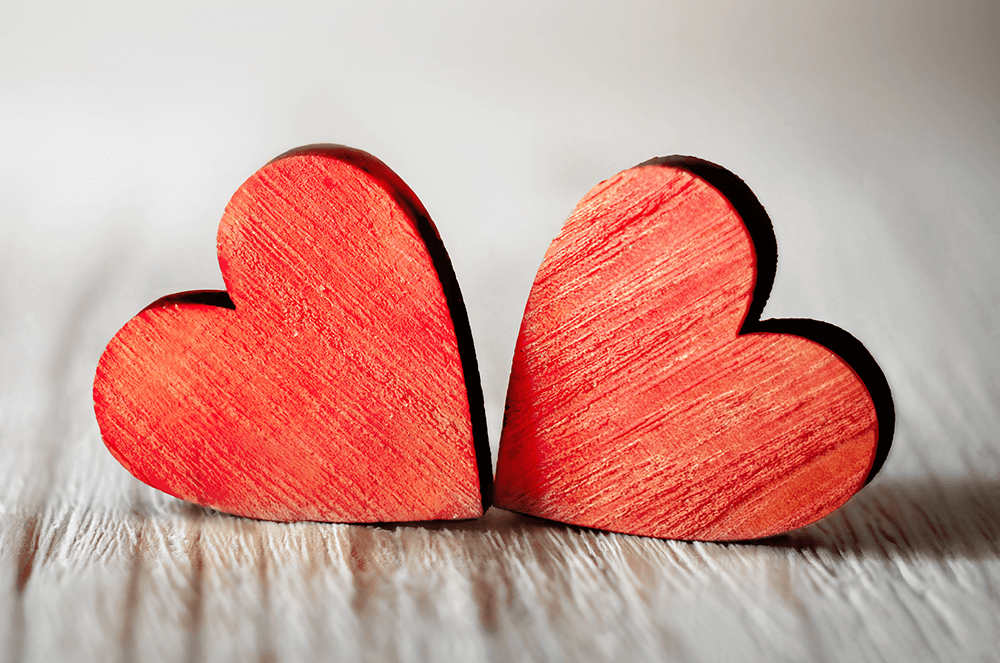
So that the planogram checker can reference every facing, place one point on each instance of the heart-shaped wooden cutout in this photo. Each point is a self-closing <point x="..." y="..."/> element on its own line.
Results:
<point x="646" y="397"/>
<point x="334" y="380"/>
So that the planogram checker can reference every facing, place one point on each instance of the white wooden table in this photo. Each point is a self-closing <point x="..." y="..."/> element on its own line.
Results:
<point x="869" y="133"/>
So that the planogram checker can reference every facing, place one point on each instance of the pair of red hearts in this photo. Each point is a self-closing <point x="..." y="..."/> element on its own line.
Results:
<point x="335" y="378"/>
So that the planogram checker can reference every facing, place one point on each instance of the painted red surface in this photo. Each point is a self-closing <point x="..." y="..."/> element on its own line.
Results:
<point x="635" y="406"/>
<point x="335" y="389"/>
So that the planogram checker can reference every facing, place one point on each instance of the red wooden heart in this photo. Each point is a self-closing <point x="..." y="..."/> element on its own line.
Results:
<point x="334" y="380"/>
<point x="646" y="398"/>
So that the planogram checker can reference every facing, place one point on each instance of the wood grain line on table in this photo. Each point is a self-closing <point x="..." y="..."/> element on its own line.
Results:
<point x="265" y="638"/>
<point x="129" y="652"/>
<point x="197" y="602"/>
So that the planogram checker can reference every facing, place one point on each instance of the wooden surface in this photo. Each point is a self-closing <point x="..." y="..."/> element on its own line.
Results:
<point x="642" y="397"/>
<point x="326" y="383"/>
<point x="869" y="131"/>
<point x="95" y="566"/>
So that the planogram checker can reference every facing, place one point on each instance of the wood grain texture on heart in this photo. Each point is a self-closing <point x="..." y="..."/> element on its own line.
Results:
<point x="333" y="380"/>
<point x="646" y="397"/>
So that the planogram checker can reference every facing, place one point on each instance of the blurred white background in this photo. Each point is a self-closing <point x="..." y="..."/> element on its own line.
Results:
<point x="869" y="131"/>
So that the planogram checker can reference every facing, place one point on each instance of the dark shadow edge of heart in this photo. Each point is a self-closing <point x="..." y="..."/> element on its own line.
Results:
<point x="216" y="298"/>
<point x="407" y="199"/>
<point x="841" y="342"/>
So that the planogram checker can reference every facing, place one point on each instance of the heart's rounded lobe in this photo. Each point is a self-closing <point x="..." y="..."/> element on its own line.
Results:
<point x="334" y="386"/>
<point x="634" y="403"/>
